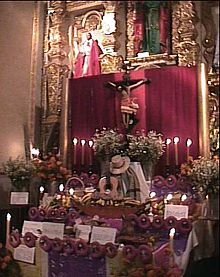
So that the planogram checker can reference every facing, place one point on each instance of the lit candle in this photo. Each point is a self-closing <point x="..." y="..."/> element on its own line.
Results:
<point x="71" y="191"/>
<point x="171" y="236"/>
<point x="90" y="153"/>
<point x="83" y="142"/>
<point x="74" y="150"/>
<point x="143" y="133"/>
<point x="41" y="192"/>
<point x="168" y="142"/>
<point x="183" y="197"/>
<point x="176" y="141"/>
<point x="8" y="223"/>
<point x="61" y="187"/>
<point x="152" y="194"/>
<point x="35" y="153"/>
<point x="169" y="197"/>
<point x="188" y="144"/>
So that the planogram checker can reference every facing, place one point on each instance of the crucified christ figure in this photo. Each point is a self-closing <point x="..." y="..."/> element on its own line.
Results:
<point x="128" y="106"/>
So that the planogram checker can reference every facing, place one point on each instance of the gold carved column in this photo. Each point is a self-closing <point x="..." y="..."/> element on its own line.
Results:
<point x="131" y="14"/>
<point x="184" y="33"/>
<point x="54" y="74"/>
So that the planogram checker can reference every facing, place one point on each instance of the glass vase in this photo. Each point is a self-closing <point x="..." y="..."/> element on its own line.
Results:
<point x="148" y="170"/>
<point x="212" y="205"/>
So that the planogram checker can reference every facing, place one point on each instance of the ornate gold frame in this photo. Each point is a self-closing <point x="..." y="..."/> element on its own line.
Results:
<point x="56" y="67"/>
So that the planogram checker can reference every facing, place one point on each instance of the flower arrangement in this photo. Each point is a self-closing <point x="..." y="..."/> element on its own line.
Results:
<point x="8" y="266"/>
<point x="138" y="147"/>
<point x="203" y="173"/>
<point x="19" y="171"/>
<point x="107" y="141"/>
<point x="50" y="169"/>
<point x="147" y="148"/>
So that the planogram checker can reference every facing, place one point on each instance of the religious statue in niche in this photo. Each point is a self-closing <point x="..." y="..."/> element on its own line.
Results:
<point x="152" y="27"/>
<point x="87" y="57"/>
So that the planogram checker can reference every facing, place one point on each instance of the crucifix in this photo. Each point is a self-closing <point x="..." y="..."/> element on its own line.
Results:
<point x="128" y="107"/>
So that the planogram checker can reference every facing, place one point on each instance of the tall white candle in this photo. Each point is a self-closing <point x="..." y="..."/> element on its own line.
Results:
<point x="83" y="142"/>
<point x="168" y="142"/>
<point x="71" y="191"/>
<point x="61" y="187"/>
<point x="41" y="192"/>
<point x="90" y="152"/>
<point x="171" y="237"/>
<point x="188" y="144"/>
<point x="176" y="141"/>
<point x="74" y="150"/>
<point x="8" y="225"/>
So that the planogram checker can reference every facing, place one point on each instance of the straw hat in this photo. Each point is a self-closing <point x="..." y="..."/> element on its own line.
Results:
<point x="119" y="164"/>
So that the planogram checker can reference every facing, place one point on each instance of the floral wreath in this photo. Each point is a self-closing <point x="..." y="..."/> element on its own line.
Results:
<point x="96" y="250"/>
<point x="29" y="239"/>
<point x="45" y="243"/>
<point x="110" y="250"/>
<point x="81" y="248"/>
<point x="68" y="246"/>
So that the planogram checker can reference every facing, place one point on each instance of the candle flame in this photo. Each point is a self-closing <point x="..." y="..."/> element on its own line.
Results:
<point x="152" y="194"/>
<point x="169" y="196"/>
<point x="8" y="216"/>
<point x="172" y="232"/>
<point x="183" y="197"/>
<point x="75" y="140"/>
<point x="41" y="189"/>
<point x="83" y="141"/>
<point x="90" y="143"/>
<point x="168" y="141"/>
<point x="188" y="142"/>
<point x="35" y="151"/>
<point x="71" y="191"/>
<point x="176" y="140"/>
<point x="61" y="187"/>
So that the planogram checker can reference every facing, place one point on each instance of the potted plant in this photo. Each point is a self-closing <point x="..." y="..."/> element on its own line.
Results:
<point x="20" y="172"/>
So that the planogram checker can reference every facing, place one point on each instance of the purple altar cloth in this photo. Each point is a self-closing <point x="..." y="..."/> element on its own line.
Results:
<point x="73" y="266"/>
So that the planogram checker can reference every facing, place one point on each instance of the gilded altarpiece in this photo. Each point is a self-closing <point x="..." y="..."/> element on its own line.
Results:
<point x="66" y="22"/>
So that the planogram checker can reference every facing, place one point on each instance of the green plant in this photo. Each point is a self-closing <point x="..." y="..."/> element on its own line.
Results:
<point x="204" y="174"/>
<point x="19" y="171"/>
<point x="107" y="141"/>
<point x="147" y="148"/>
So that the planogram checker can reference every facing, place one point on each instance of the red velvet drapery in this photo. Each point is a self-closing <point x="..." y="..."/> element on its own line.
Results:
<point x="168" y="105"/>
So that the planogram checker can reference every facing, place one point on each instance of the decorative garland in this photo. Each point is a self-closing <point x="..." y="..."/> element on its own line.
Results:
<point x="68" y="246"/>
<point x="158" y="222"/>
<point x="144" y="221"/>
<point x="62" y="212"/>
<point x="33" y="213"/>
<point x="15" y="239"/>
<point x="110" y="250"/>
<point x="42" y="214"/>
<point x="182" y="183"/>
<point x="158" y="181"/>
<point x="170" y="222"/>
<point x="145" y="253"/>
<point x="96" y="250"/>
<point x="82" y="248"/>
<point x="184" y="225"/>
<point x="94" y="179"/>
<point x="57" y="245"/>
<point x="45" y="243"/>
<point x="171" y="182"/>
<point x="71" y="217"/>
<point x="52" y="213"/>
<point x="129" y="252"/>
<point x="29" y="239"/>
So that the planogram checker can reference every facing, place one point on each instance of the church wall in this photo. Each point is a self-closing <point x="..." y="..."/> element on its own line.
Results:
<point x="15" y="77"/>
